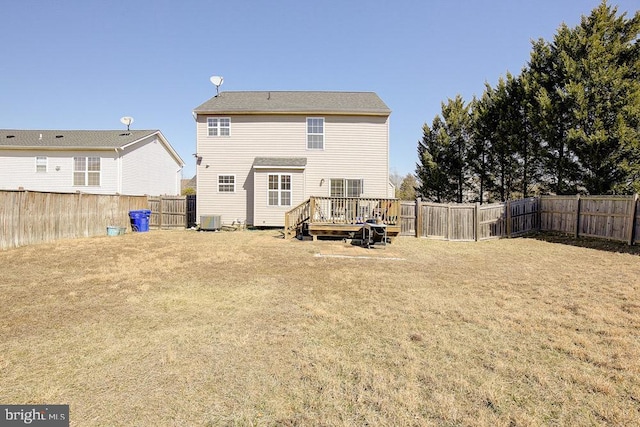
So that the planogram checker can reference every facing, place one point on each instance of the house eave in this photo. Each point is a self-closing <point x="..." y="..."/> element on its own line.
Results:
<point x="291" y="113"/>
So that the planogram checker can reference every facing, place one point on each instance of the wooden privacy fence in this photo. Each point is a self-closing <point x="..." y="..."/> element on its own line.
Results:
<point x="28" y="217"/>
<point x="468" y="222"/>
<point x="607" y="217"/>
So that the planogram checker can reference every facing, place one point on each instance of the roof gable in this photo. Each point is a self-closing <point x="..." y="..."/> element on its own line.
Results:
<point x="281" y="102"/>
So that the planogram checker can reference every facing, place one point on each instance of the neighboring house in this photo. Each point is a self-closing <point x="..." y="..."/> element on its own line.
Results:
<point x="135" y="162"/>
<point x="259" y="154"/>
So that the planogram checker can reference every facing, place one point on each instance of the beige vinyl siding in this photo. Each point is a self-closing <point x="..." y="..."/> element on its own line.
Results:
<point x="355" y="147"/>
<point x="148" y="168"/>
<point x="17" y="169"/>
<point x="273" y="216"/>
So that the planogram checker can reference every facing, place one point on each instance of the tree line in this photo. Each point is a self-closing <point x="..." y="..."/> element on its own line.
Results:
<point x="568" y="123"/>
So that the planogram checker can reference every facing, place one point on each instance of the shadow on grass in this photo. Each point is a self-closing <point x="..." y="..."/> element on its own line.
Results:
<point x="586" y="242"/>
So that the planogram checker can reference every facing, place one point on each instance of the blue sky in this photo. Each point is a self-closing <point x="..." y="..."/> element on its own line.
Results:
<point x="84" y="64"/>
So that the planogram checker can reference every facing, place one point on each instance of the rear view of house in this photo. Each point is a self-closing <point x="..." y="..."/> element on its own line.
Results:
<point x="259" y="154"/>
<point x="135" y="162"/>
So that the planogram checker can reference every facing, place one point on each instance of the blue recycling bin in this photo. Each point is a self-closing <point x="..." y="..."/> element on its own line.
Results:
<point x="140" y="220"/>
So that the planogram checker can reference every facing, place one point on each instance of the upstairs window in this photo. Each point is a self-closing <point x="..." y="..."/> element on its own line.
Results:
<point x="86" y="171"/>
<point x="218" y="126"/>
<point x="315" y="133"/>
<point x="226" y="183"/>
<point x="41" y="164"/>
<point x="279" y="190"/>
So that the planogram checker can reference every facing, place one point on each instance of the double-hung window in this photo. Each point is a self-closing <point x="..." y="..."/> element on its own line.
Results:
<point x="219" y="126"/>
<point x="226" y="183"/>
<point x="41" y="164"/>
<point x="86" y="171"/>
<point x="315" y="133"/>
<point x="279" y="193"/>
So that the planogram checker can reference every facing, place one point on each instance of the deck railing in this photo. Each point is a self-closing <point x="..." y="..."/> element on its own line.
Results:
<point x="341" y="210"/>
<point x="294" y="219"/>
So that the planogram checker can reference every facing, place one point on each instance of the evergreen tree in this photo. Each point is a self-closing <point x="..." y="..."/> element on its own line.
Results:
<point x="602" y="62"/>
<point x="458" y="130"/>
<point x="407" y="189"/>
<point x="433" y="167"/>
<point x="554" y="107"/>
<point x="586" y="87"/>
<point x="443" y="170"/>
<point x="485" y="123"/>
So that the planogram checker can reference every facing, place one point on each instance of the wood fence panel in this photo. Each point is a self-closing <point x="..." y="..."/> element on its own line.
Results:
<point x="606" y="217"/>
<point x="435" y="220"/>
<point x="407" y="218"/>
<point x="524" y="215"/>
<point x="492" y="223"/>
<point x="558" y="213"/>
<point x="462" y="222"/>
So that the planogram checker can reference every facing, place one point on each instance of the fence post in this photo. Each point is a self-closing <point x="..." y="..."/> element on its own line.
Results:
<point x="508" y="217"/>
<point x="477" y="225"/>
<point x="577" y="234"/>
<point x="418" y="225"/>
<point x="632" y="219"/>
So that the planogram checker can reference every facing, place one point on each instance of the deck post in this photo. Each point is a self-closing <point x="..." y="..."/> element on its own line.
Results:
<point x="312" y="209"/>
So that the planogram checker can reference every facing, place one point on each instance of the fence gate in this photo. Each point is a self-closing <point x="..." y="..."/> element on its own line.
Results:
<point x="168" y="211"/>
<point x="191" y="210"/>
<point x="407" y="218"/>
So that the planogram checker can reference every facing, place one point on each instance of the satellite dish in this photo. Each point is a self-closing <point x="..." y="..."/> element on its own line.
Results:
<point x="126" y="121"/>
<point x="217" y="82"/>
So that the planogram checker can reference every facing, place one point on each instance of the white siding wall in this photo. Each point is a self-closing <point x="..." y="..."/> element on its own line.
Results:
<point x="18" y="169"/>
<point x="356" y="147"/>
<point x="148" y="168"/>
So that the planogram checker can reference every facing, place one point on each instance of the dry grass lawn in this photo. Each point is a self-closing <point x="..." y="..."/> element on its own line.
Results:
<point x="244" y="328"/>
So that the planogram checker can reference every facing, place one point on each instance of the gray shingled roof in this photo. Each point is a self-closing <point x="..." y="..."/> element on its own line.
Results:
<point x="290" y="162"/>
<point x="97" y="139"/>
<point x="295" y="102"/>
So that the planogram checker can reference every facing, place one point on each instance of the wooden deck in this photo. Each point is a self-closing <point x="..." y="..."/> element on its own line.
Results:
<point x="351" y="231"/>
<point x="341" y="216"/>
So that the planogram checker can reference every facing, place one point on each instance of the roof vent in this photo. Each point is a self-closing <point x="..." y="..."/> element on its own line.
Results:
<point x="11" y="136"/>
<point x="59" y="136"/>
<point x="125" y="134"/>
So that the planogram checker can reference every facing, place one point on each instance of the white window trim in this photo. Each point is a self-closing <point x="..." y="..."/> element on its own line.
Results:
<point x="86" y="171"/>
<point x="46" y="164"/>
<point x="218" y="183"/>
<point x="218" y="127"/>
<point x="280" y="190"/>
<point x="324" y="138"/>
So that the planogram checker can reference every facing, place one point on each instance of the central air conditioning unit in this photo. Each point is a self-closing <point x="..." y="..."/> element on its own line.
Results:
<point x="210" y="222"/>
